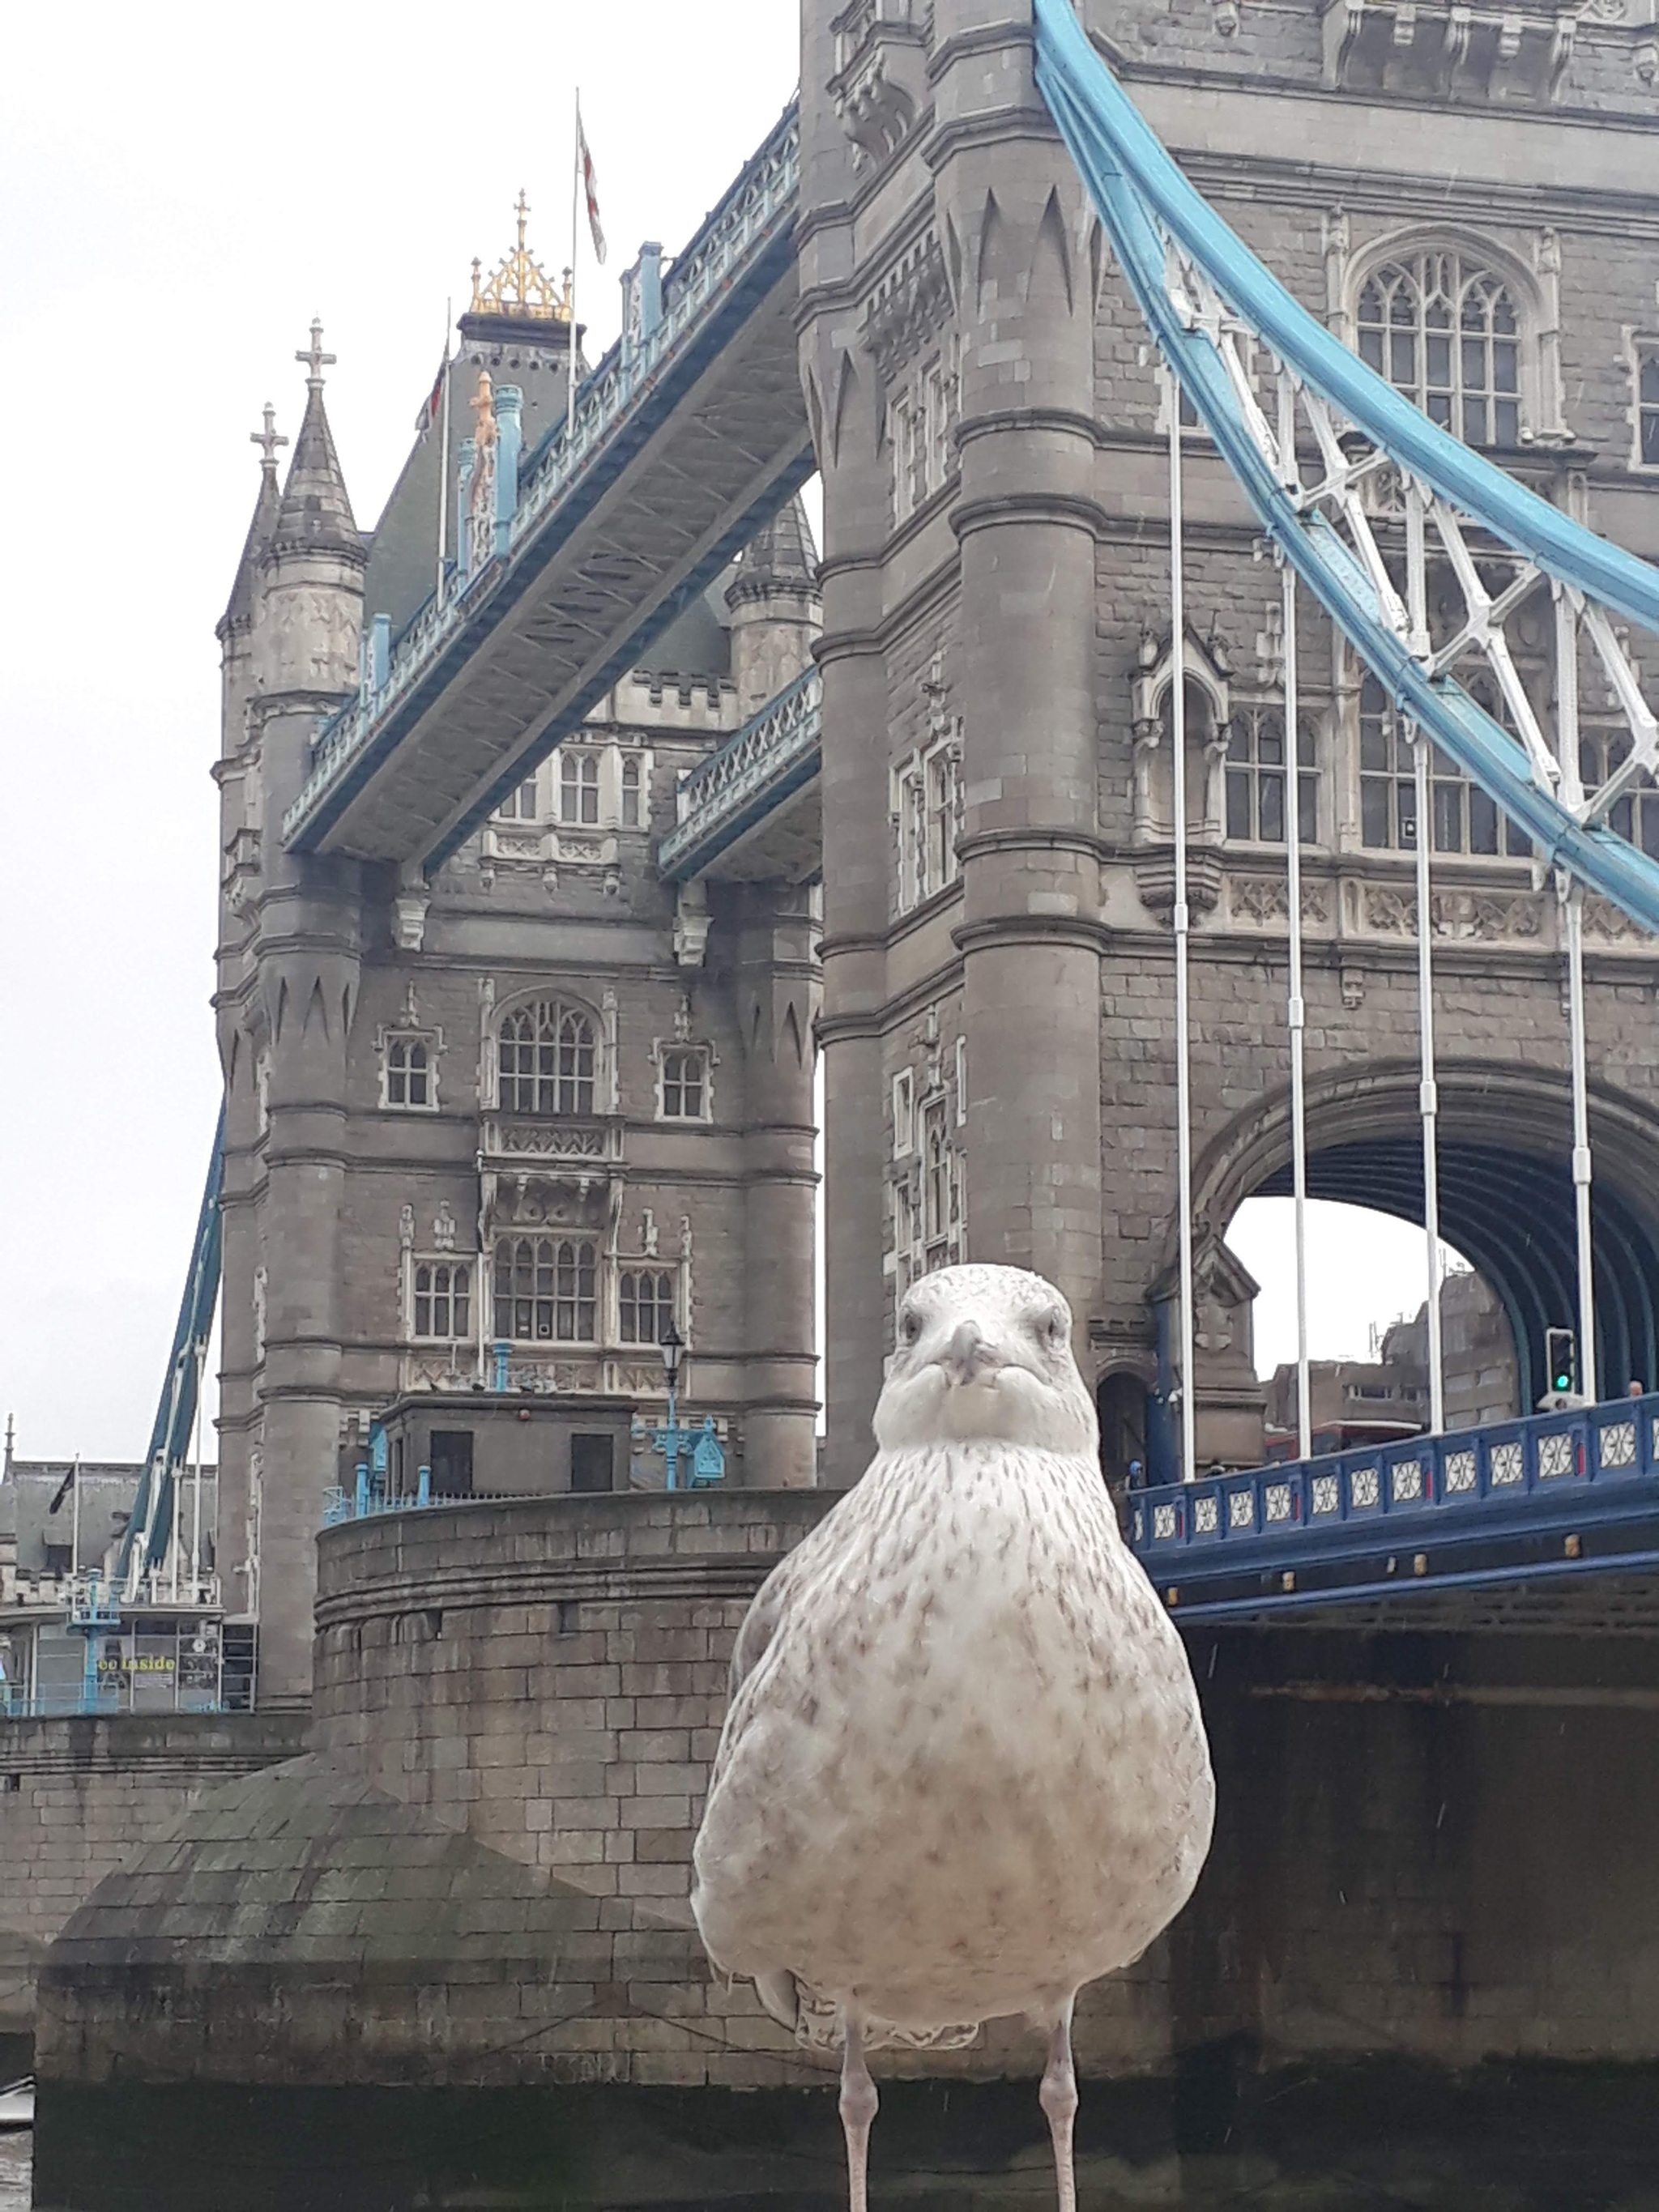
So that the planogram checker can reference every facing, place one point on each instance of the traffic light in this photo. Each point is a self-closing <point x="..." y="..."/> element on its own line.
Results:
<point x="1561" y="1358"/>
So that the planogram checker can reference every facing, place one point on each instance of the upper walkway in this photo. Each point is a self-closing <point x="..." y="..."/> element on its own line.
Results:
<point x="683" y="447"/>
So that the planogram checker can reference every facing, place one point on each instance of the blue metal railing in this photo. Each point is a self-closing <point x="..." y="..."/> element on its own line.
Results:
<point x="1554" y="1473"/>
<point x="777" y="751"/>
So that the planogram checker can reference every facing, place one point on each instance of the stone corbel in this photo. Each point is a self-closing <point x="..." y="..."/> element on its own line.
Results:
<point x="409" y="911"/>
<point x="692" y="921"/>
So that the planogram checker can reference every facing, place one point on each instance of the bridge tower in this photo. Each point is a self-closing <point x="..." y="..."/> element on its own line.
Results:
<point x="998" y="664"/>
<point x="496" y="1119"/>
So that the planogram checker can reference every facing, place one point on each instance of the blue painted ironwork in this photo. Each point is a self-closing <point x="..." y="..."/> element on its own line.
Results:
<point x="150" y="1531"/>
<point x="1200" y="288"/>
<point x="1569" y="1491"/>
<point x="735" y="259"/>
<point x="748" y="776"/>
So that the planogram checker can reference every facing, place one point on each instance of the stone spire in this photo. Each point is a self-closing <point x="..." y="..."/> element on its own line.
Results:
<point x="782" y="556"/>
<point x="239" y="610"/>
<point x="315" y="514"/>
<point x="775" y="608"/>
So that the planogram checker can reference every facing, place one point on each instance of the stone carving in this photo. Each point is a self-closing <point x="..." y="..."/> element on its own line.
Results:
<point x="261" y="1288"/>
<point x="1447" y="50"/>
<point x="530" y="1202"/>
<point x="565" y="1140"/>
<point x="1266" y="898"/>
<point x="648" y="1234"/>
<point x="880" y="83"/>
<point x="1603" y="918"/>
<point x="692" y="922"/>
<point x="406" y="1228"/>
<point x="443" y="1229"/>
<point x="909" y="306"/>
<point x="1462" y="916"/>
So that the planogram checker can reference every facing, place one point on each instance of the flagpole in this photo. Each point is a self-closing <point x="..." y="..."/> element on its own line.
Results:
<point x="443" y="451"/>
<point x="570" y="299"/>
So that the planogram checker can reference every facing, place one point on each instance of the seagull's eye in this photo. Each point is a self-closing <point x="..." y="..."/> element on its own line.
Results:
<point x="1059" y="1326"/>
<point x="909" y="1327"/>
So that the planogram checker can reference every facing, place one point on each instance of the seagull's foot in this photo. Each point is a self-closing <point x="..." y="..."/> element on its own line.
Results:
<point x="1057" y="2097"/>
<point x="857" y="2109"/>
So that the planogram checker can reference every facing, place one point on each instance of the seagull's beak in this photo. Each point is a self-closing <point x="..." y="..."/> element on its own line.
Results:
<point x="969" y="1355"/>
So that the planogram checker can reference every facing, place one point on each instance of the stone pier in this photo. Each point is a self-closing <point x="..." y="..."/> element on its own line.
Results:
<point x="1426" y="1947"/>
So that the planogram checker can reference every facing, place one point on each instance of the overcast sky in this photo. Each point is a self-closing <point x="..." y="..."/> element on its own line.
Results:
<point x="181" y="189"/>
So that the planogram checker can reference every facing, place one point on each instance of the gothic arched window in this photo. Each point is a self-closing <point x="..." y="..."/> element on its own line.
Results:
<point x="545" y="1289"/>
<point x="547" y="1054"/>
<point x="1256" y="774"/>
<point x="1465" y="819"/>
<point x="1447" y="334"/>
<point x="645" y="1304"/>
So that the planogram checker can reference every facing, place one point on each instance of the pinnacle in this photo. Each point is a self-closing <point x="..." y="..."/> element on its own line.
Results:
<point x="315" y="514"/>
<point x="780" y="557"/>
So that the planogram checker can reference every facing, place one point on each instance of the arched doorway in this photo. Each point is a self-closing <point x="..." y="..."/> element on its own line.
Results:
<point x="1506" y="1197"/>
<point x="1120" y="1401"/>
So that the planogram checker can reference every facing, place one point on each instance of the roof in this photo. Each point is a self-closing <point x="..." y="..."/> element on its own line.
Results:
<point x="315" y="513"/>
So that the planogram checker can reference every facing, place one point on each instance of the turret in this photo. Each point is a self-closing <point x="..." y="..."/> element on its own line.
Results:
<point x="310" y="614"/>
<point x="776" y="611"/>
<point x="236" y="625"/>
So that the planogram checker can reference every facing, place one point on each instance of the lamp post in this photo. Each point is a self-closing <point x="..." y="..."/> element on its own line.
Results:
<point x="702" y="1446"/>
<point x="671" y="1440"/>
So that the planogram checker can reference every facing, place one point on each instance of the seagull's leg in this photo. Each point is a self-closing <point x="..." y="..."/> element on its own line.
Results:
<point x="1057" y="2097"/>
<point x="858" y="2107"/>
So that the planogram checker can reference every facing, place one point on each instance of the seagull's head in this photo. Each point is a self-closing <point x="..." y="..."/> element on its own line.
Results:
<point x="984" y="1355"/>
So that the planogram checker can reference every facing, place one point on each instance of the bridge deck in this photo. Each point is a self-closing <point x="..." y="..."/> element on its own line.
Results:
<point x="1559" y="1495"/>
<point x="680" y="454"/>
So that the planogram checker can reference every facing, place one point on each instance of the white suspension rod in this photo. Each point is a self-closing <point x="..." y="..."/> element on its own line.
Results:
<point x="1427" y="1091"/>
<point x="1573" y="915"/>
<point x="1182" y="921"/>
<point x="1296" y="1012"/>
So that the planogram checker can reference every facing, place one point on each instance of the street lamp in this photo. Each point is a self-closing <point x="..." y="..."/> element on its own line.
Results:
<point x="700" y="1447"/>
<point x="671" y="1347"/>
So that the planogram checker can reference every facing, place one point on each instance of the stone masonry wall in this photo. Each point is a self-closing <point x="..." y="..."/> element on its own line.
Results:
<point x="79" y="1797"/>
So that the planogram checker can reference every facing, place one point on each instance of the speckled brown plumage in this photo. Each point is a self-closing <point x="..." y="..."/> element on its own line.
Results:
<point x="963" y="1770"/>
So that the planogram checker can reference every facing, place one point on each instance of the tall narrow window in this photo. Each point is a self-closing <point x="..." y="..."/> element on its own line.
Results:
<point x="941" y="832"/>
<point x="904" y="1113"/>
<point x="408" y="1072"/>
<point x="1256" y="774"/>
<point x="443" y="1300"/>
<point x="579" y="787"/>
<point x="1465" y="819"/>
<point x="1446" y="333"/>
<point x="941" y="1205"/>
<point x="546" y="1056"/>
<point x="685" y="1084"/>
<point x="645" y="1304"/>
<point x="633" y="786"/>
<point x="545" y="1289"/>
<point x="1635" y="816"/>
<point x="520" y="805"/>
<point x="1647" y="402"/>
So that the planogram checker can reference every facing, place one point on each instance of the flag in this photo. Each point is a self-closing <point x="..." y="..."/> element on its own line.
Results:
<point x="432" y="405"/>
<point x="585" y="163"/>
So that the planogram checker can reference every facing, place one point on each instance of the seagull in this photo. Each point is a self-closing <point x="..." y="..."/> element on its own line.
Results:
<point x="963" y="1770"/>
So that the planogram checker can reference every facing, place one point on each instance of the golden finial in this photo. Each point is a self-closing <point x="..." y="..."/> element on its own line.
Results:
<point x="520" y="287"/>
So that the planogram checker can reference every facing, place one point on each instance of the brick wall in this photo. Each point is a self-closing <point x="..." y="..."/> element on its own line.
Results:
<point x="79" y="1797"/>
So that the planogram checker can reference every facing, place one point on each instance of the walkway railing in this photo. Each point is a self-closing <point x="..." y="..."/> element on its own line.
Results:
<point x="1408" y="1513"/>
<point x="745" y="778"/>
<point x="758" y="210"/>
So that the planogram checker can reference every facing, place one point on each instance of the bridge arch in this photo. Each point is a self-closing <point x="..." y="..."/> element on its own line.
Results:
<point x="1506" y="1198"/>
